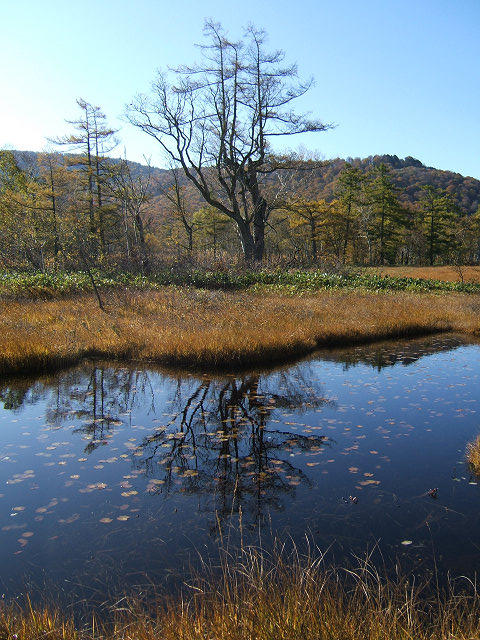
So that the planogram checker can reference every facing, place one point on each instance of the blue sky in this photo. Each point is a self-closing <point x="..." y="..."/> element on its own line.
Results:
<point x="396" y="76"/>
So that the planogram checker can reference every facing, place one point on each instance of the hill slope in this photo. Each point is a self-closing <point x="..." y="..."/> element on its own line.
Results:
<point x="408" y="174"/>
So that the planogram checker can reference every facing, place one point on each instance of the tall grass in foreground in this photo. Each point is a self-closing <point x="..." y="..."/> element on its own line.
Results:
<point x="473" y="455"/>
<point x="257" y="596"/>
<point x="216" y="329"/>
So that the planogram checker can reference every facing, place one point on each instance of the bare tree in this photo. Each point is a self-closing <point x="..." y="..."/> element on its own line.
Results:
<point x="216" y="120"/>
<point x="134" y="194"/>
<point x="176" y="197"/>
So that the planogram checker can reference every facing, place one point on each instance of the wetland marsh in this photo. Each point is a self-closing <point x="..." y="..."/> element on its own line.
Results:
<point x="117" y="477"/>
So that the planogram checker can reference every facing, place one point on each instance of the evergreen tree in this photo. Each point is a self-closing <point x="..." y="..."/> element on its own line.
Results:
<point x="387" y="214"/>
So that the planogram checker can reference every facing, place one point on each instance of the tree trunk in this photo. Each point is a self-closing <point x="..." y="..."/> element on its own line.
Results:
<point x="260" y="214"/>
<point x="246" y="238"/>
<point x="142" y="245"/>
<point x="313" y="239"/>
<point x="259" y="232"/>
<point x="432" y="233"/>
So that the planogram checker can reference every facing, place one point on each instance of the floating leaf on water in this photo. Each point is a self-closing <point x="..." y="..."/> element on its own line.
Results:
<point x="73" y="518"/>
<point x="11" y="527"/>
<point x="312" y="464"/>
<point x="106" y="520"/>
<point x="126" y="494"/>
<point x="82" y="459"/>
<point x="364" y="483"/>
<point x="97" y="485"/>
<point x="406" y="542"/>
<point x="353" y="469"/>
<point x="123" y="518"/>
<point x="18" y="509"/>
<point x="368" y="475"/>
<point x="75" y="476"/>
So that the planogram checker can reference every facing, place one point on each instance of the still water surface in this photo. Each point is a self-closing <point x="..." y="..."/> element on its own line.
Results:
<point x="114" y="477"/>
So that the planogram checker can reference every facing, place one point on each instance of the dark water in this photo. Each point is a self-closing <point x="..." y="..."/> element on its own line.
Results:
<point x="113" y="477"/>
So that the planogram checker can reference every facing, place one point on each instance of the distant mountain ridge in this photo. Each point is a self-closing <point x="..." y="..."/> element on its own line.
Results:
<point x="408" y="175"/>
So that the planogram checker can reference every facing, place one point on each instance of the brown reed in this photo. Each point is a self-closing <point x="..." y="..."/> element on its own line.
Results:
<point x="447" y="273"/>
<point x="254" y="595"/>
<point x="473" y="455"/>
<point x="214" y="329"/>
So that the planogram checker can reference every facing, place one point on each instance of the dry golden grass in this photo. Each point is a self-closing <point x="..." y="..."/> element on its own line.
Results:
<point x="473" y="455"/>
<point x="216" y="329"/>
<point x="278" y="597"/>
<point x="445" y="273"/>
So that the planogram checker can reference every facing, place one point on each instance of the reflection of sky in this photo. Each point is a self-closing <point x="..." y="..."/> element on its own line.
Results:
<point x="90" y="488"/>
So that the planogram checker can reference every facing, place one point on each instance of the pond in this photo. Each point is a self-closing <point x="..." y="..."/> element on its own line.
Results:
<point x="117" y="477"/>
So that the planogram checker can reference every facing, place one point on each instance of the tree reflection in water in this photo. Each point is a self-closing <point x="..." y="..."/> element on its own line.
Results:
<point x="221" y="443"/>
<point x="219" y="440"/>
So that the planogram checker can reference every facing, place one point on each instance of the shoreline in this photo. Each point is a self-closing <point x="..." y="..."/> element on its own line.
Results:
<point x="217" y="330"/>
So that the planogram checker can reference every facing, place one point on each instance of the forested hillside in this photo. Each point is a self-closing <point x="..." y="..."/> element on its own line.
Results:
<point x="409" y="175"/>
<point x="74" y="211"/>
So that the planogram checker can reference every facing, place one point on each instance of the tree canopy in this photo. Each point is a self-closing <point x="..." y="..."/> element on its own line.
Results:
<point x="216" y="120"/>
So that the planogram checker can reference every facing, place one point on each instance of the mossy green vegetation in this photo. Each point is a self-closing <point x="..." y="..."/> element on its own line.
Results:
<point x="51" y="285"/>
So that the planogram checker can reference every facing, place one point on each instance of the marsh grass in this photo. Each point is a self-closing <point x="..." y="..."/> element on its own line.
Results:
<point x="281" y="595"/>
<point x="445" y="273"/>
<point x="216" y="329"/>
<point x="473" y="455"/>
